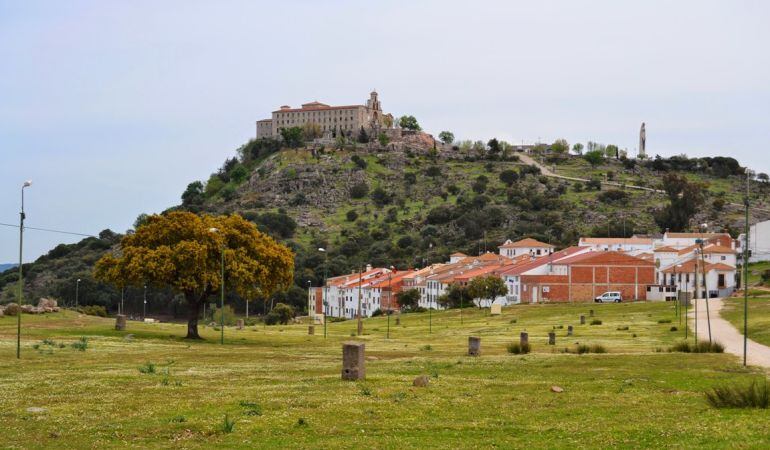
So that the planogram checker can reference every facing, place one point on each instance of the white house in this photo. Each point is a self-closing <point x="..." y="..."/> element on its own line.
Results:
<point x="759" y="241"/>
<point x="527" y="246"/>
<point x="632" y="245"/>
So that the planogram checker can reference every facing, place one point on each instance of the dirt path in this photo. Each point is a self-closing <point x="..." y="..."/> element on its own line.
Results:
<point x="723" y="332"/>
<point x="526" y="159"/>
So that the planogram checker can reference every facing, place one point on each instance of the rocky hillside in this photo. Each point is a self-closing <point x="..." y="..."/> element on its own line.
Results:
<point x="406" y="204"/>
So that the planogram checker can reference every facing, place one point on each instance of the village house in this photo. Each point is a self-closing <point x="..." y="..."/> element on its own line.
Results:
<point x="633" y="245"/>
<point x="535" y="266"/>
<point x="527" y="246"/>
<point x="585" y="276"/>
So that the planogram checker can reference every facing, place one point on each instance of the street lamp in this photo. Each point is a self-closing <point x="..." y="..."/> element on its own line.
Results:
<point x="77" y="292"/>
<point x="144" y="303"/>
<point x="326" y="289"/>
<point x="26" y="184"/>
<point x="222" y="299"/>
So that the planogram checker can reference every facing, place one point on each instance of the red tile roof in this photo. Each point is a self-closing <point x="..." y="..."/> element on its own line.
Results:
<point x="552" y="258"/>
<point x="690" y="265"/>
<point x="616" y="241"/>
<point x="608" y="258"/>
<point x="318" y="108"/>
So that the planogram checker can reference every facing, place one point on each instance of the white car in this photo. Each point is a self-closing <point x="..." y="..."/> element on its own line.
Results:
<point x="609" y="297"/>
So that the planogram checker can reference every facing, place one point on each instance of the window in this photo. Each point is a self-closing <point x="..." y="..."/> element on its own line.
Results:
<point x="724" y="258"/>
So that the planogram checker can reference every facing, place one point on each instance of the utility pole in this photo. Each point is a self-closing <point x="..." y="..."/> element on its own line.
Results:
<point x="705" y="289"/>
<point x="746" y="272"/>
<point x="360" y="321"/>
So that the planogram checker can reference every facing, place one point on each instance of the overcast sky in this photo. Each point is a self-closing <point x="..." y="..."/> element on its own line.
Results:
<point x="113" y="107"/>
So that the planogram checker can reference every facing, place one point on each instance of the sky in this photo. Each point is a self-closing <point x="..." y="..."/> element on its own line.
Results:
<point x="112" y="108"/>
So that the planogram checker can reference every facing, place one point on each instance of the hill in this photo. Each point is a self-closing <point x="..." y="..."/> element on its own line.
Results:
<point x="406" y="204"/>
<point x="4" y="267"/>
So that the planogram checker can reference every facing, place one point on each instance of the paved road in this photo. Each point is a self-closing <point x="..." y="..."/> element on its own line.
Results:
<point x="723" y="332"/>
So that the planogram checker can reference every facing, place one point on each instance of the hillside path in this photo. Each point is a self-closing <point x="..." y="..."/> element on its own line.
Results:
<point x="547" y="172"/>
<point x="726" y="334"/>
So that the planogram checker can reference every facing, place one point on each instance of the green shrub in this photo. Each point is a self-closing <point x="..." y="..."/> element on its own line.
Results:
<point x="664" y="321"/>
<point x="230" y="318"/>
<point x="93" y="310"/>
<point x="598" y="348"/>
<point x="252" y="408"/>
<point x="281" y="313"/>
<point x="623" y="328"/>
<point x="596" y="322"/>
<point x="426" y="348"/>
<point x="147" y="368"/>
<point x="81" y="344"/>
<point x="674" y="329"/>
<point x="228" y="425"/>
<point x="755" y="395"/>
<point x="700" y="347"/>
<point x="519" y="349"/>
<point x="512" y="320"/>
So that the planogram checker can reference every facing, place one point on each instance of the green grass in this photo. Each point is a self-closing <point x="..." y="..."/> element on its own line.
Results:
<point x="282" y="388"/>
<point x="759" y="316"/>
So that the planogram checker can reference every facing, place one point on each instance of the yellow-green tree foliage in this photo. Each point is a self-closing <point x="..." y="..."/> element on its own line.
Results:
<point x="179" y="250"/>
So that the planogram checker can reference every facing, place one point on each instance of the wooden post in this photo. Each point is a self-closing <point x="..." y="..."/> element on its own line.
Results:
<point x="582" y="320"/>
<point x="311" y="330"/>
<point x="551" y="338"/>
<point x="239" y="324"/>
<point x="569" y="330"/>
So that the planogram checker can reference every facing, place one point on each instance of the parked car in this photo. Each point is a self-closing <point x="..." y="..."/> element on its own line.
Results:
<point x="609" y="297"/>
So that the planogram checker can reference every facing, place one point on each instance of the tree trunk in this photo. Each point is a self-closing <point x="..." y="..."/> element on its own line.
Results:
<point x="193" y="312"/>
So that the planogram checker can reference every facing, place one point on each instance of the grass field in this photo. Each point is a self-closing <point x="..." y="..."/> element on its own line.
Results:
<point x="282" y="387"/>
<point x="759" y="316"/>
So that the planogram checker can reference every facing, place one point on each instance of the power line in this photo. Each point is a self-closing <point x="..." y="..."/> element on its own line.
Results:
<point x="48" y="230"/>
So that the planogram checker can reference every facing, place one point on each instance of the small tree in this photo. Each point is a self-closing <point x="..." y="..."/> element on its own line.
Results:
<point x="408" y="299"/>
<point x="292" y="136"/>
<point x="363" y="136"/>
<point x="509" y="176"/>
<point x="560" y="146"/>
<point x="487" y="288"/>
<point x="311" y="130"/>
<point x="281" y="313"/>
<point x="383" y="139"/>
<point x="594" y="157"/>
<point x="494" y="146"/>
<point x="409" y="123"/>
<point x="446" y="137"/>
<point x="578" y="148"/>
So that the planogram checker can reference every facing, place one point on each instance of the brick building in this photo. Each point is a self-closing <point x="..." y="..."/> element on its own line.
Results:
<point x="587" y="275"/>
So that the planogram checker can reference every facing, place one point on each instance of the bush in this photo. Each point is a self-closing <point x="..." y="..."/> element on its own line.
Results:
<point x="92" y="310"/>
<point x="755" y="395"/>
<point x="359" y="190"/>
<point x="674" y="329"/>
<point x="624" y="328"/>
<point x="519" y="349"/>
<point x="229" y="316"/>
<point x="613" y="196"/>
<point x="664" y="321"/>
<point x="228" y="425"/>
<point x="700" y="347"/>
<point x="584" y="348"/>
<point x="148" y="368"/>
<point x="281" y="313"/>
<point x="351" y="215"/>
<point x="360" y="163"/>
<point x="596" y="322"/>
<point x="81" y="344"/>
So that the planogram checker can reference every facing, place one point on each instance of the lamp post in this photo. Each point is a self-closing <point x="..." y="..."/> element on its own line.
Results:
<point x="325" y="294"/>
<point x="26" y="184"/>
<point x="77" y="292"/>
<point x="222" y="295"/>
<point x="390" y="298"/>
<point x="144" y="303"/>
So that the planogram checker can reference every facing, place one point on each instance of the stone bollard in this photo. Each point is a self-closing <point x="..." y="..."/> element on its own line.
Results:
<point x="474" y="346"/>
<point x="239" y="324"/>
<point x="582" y="320"/>
<point x="551" y="338"/>
<point x="353" y="361"/>
<point x="311" y="329"/>
<point x="569" y="330"/>
<point x="120" y="322"/>
<point x="590" y="313"/>
<point x="524" y="338"/>
<point x="398" y="319"/>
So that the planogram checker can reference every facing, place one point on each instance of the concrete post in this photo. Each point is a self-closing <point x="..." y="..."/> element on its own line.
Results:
<point x="590" y="313"/>
<point x="569" y="330"/>
<point x="311" y="330"/>
<point x="398" y="319"/>
<point x="353" y="361"/>
<point x="551" y="338"/>
<point x="239" y="324"/>
<point x="582" y="320"/>
<point x="474" y="346"/>
<point x="120" y="322"/>
<point x="523" y="338"/>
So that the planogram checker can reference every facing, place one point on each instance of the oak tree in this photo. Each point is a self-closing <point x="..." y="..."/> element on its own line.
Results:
<point x="180" y="250"/>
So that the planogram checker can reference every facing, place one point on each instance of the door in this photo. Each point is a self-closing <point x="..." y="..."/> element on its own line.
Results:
<point x="534" y="295"/>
